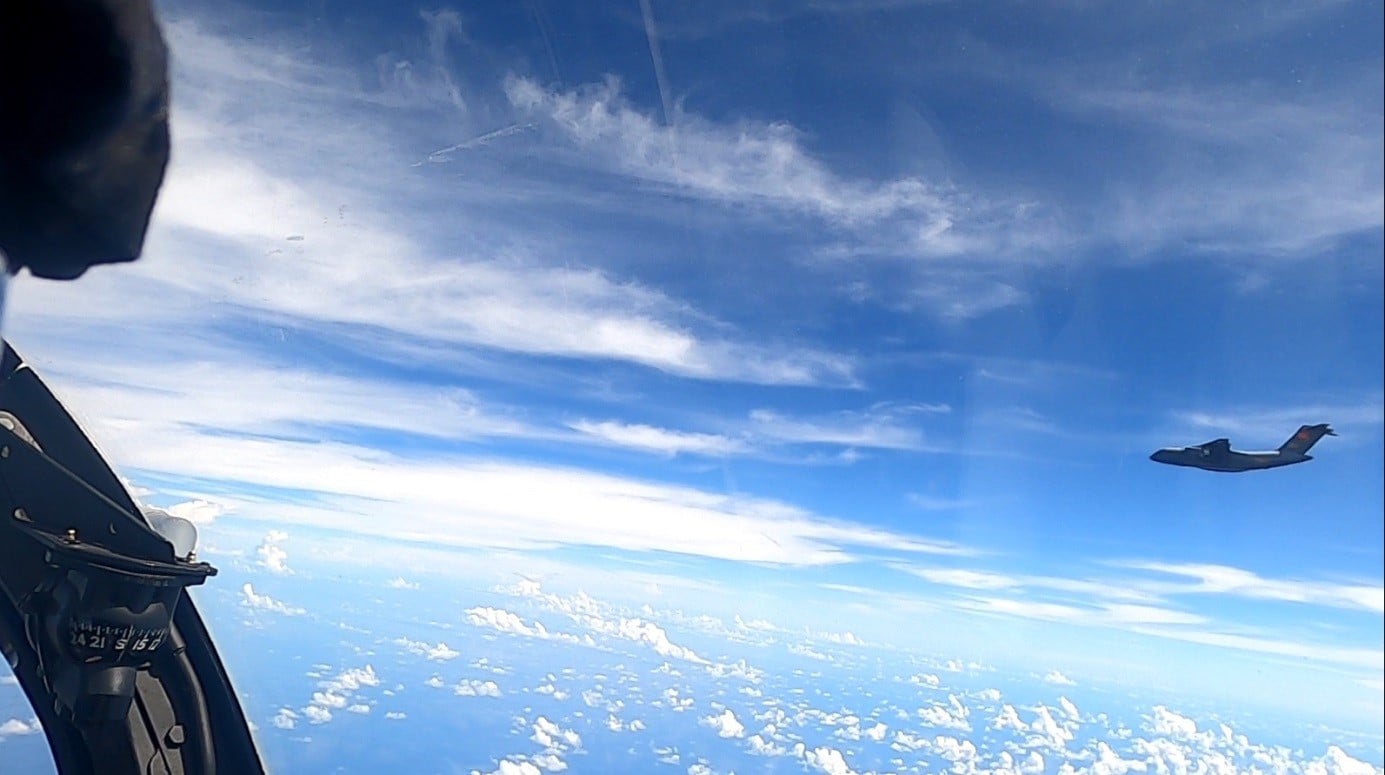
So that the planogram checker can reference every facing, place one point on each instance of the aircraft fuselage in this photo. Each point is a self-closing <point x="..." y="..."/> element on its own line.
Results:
<point x="1229" y="461"/>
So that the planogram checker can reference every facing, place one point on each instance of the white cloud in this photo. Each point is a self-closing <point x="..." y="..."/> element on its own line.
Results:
<point x="1226" y="580"/>
<point x="552" y="691"/>
<point x="1008" y="718"/>
<point x="656" y="638"/>
<point x="938" y="503"/>
<point x="1321" y="652"/>
<point x="881" y="427"/>
<point x="1058" y="679"/>
<point x="16" y="726"/>
<point x="754" y="624"/>
<point x="764" y="169"/>
<point x="754" y="164"/>
<point x="252" y="599"/>
<point x="466" y="296"/>
<point x="499" y="619"/>
<point x="660" y="440"/>
<point x="1339" y="762"/>
<point x="273" y="556"/>
<point x="758" y="746"/>
<point x="1119" y="613"/>
<point x="553" y="737"/>
<point x="738" y="669"/>
<point x="576" y="605"/>
<point x="588" y="613"/>
<point x="905" y="741"/>
<point x="1270" y="425"/>
<point x="1029" y="609"/>
<point x="335" y="693"/>
<point x="958" y="751"/>
<point x="954" y="715"/>
<point x="328" y="699"/>
<point x="1300" y="197"/>
<point x="1119" y="603"/>
<point x="137" y="492"/>
<point x="726" y="724"/>
<point x="468" y="502"/>
<point x="513" y="767"/>
<point x="285" y="401"/>
<point x="509" y="622"/>
<point x="475" y="688"/>
<point x="1033" y="764"/>
<point x="676" y="703"/>
<point x="1098" y="613"/>
<point x="352" y="679"/>
<point x="549" y="762"/>
<point x="804" y="650"/>
<point x="441" y="652"/>
<point x="967" y="578"/>
<point x="198" y="511"/>
<point x="844" y="638"/>
<point x="827" y="760"/>
<point x="399" y="582"/>
<point x="1047" y="731"/>
<point x="435" y="653"/>
<point x="1108" y="762"/>
<point x="1170" y="724"/>
<point x="395" y="715"/>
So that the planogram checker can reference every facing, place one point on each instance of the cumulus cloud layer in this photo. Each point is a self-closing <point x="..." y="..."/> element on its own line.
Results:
<point x="272" y="555"/>
<point x="726" y="724"/>
<point x="252" y="599"/>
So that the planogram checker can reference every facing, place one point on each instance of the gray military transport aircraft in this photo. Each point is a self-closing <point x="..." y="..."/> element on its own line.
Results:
<point x="1217" y="455"/>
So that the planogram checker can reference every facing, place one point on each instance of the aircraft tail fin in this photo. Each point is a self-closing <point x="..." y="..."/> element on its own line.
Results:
<point x="1304" y="439"/>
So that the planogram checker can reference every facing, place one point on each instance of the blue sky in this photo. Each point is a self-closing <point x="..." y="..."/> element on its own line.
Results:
<point x="817" y="312"/>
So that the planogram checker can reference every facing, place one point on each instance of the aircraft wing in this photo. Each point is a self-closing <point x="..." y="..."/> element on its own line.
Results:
<point x="1216" y="445"/>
